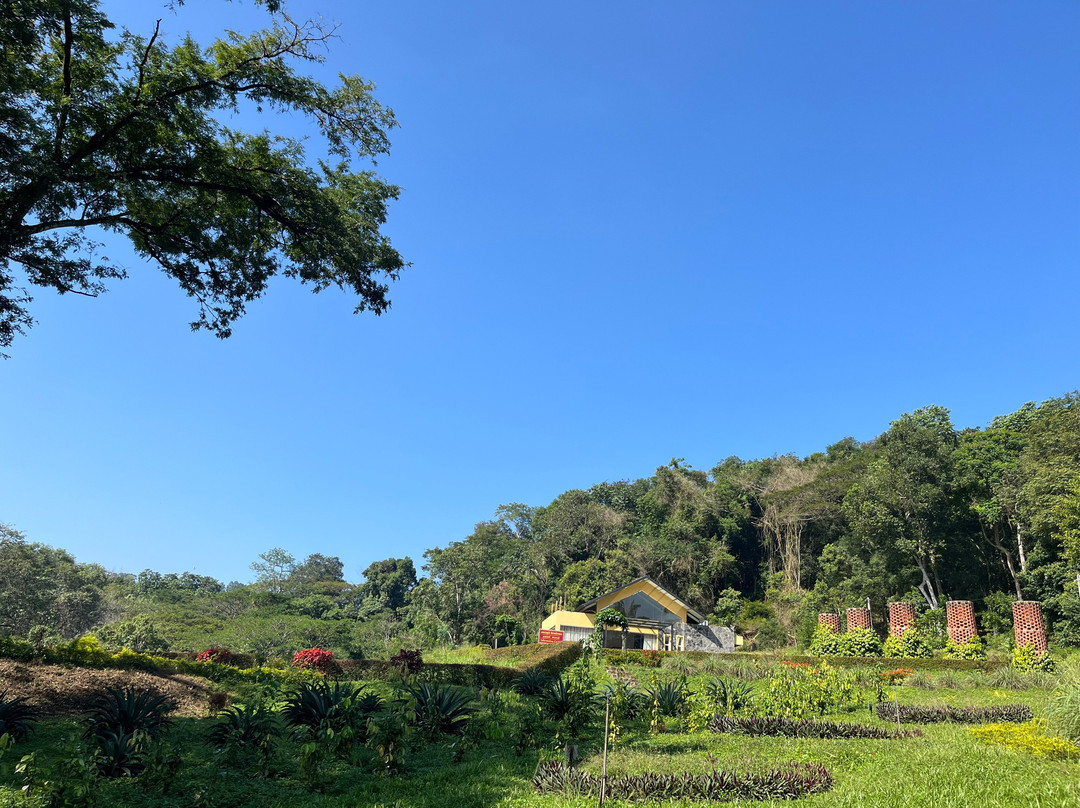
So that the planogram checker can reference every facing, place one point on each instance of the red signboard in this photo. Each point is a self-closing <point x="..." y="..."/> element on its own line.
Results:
<point x="547" y="636"/>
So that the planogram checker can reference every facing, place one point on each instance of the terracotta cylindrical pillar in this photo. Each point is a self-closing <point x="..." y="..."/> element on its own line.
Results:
<point x="901" y="618"/>
<point x="1028" y="625"/>
<point x="830" y="620"/>
<point x="858" y="617"/>
<point x="960" y="620"/>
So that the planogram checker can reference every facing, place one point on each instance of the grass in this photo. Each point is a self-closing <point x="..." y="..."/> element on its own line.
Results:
<point x="945" y="769"/>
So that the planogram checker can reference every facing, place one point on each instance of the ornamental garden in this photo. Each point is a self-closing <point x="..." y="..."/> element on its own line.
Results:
<point x="858" y="720"/>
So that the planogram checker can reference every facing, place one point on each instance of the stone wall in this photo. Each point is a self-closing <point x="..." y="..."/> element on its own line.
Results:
<point x="712" y="639"/>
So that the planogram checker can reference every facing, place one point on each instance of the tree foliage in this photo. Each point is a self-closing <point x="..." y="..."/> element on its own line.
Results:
<point x="923" y="513"/>
<point x="114" y="131"/>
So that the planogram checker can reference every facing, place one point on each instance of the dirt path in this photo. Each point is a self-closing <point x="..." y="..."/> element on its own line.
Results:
<point x="56" y="690"/>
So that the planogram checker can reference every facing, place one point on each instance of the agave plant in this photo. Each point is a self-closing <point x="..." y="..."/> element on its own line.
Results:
<point x="730" y="695"/>
<point x="440" y="709"/>
<point x="532" y="682"/>
<point x="120" y="713"/>
<point x="241" y="729"/>
<point x="559" y="699"/>
<point x="15" y="717"/>
<point x="669" y="695"/>
<point x="625" y="698"/>
<point x="119" y="753"/>
<point x="320" y="705"/>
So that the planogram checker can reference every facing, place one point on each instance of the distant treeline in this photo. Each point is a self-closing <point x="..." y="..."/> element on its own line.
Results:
<point x="925" y="513"/>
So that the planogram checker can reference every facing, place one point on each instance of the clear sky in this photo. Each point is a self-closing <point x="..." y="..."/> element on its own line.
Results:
<point x="638" y="231"/>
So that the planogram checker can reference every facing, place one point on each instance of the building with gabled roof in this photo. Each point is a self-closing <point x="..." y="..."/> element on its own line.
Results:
<point x="657" y="620"/>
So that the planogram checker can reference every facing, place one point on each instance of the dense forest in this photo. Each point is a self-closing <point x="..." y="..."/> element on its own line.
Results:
<point x="925" y="512"/>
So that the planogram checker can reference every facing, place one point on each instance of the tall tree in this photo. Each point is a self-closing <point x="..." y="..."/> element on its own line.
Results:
<point x="902" y="503"/>
<point x="124" y="133"/>
<point x="989" y="478"/>
<point x="273" y="568"/>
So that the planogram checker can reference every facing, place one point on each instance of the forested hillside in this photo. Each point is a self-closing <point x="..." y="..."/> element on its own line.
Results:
<point x="925" y="512"/>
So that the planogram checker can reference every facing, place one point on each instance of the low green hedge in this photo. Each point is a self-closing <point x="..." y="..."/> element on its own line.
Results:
<point x="926" y="665"/>
<point x="86" y="652"/>
<point x="550" y="659"/>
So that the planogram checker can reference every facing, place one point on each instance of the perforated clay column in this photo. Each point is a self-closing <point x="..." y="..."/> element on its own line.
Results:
<point x="960" y="618"/>
<point x="858" y="617"/>
<point x="830" y="620"/>
<point x="1028" y="625"/>
<point x="901" y="618"/>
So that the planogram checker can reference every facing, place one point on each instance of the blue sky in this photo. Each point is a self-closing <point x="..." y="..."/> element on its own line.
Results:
<point x="637" y="232"/>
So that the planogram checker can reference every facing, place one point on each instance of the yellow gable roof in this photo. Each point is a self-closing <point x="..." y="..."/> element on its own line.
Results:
<point x="647" y="586"/>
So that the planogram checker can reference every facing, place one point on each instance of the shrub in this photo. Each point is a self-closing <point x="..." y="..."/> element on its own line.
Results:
<point x="728" y="605"/>
<point x="1027" y="659"/>
<point x="222" y="656"/>
<point x="407" y="662"/>
<point x="797" y="690"/>
<point x="860" y="642"/>
<point x="802" y="728"/>
<point x="972" y="649"/>
<point x="1063" y="711"/>
<point x="895" y="677"/>
<point x="911" y="645"/>
<point x="1028" y="737"/>
<point x="929" y="665"/>
<point x="315" y="659"/>
<point x="826" y="642"/>
<point x="647" y="659"/>
<point x="914" y="714"/>
<point x="15" y="717"/>
<point x="782" y="783"/>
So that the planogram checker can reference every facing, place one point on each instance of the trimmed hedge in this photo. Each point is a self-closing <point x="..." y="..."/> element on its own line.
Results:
<point x="88" y="653"/>
<point x="927" y="665"/>
<point x="550" y="659"/>
<point x="781" y="783"/>
<point x="914" y="714"/>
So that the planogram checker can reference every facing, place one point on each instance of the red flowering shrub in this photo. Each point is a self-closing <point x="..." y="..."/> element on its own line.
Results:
<point x="315" y="659"/>
<point x="897" y="676"/>
<point x="220" y="655"/>
<point x="407" y="661"/>
<point x="650" y="659"/>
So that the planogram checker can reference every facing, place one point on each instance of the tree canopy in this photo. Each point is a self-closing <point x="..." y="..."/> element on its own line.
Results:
<point x="106" y="130"/>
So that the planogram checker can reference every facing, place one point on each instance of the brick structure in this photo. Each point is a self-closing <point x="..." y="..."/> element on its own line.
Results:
<point x="1028" y="625"/>
<point x="858" y="617"/>
<point x="960" y="620"/>
<point x="901" y="618"/>
<point x="830" y="620"/>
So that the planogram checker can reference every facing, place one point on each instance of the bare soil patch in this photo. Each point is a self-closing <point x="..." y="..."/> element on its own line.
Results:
<point x="56" y="690"/>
